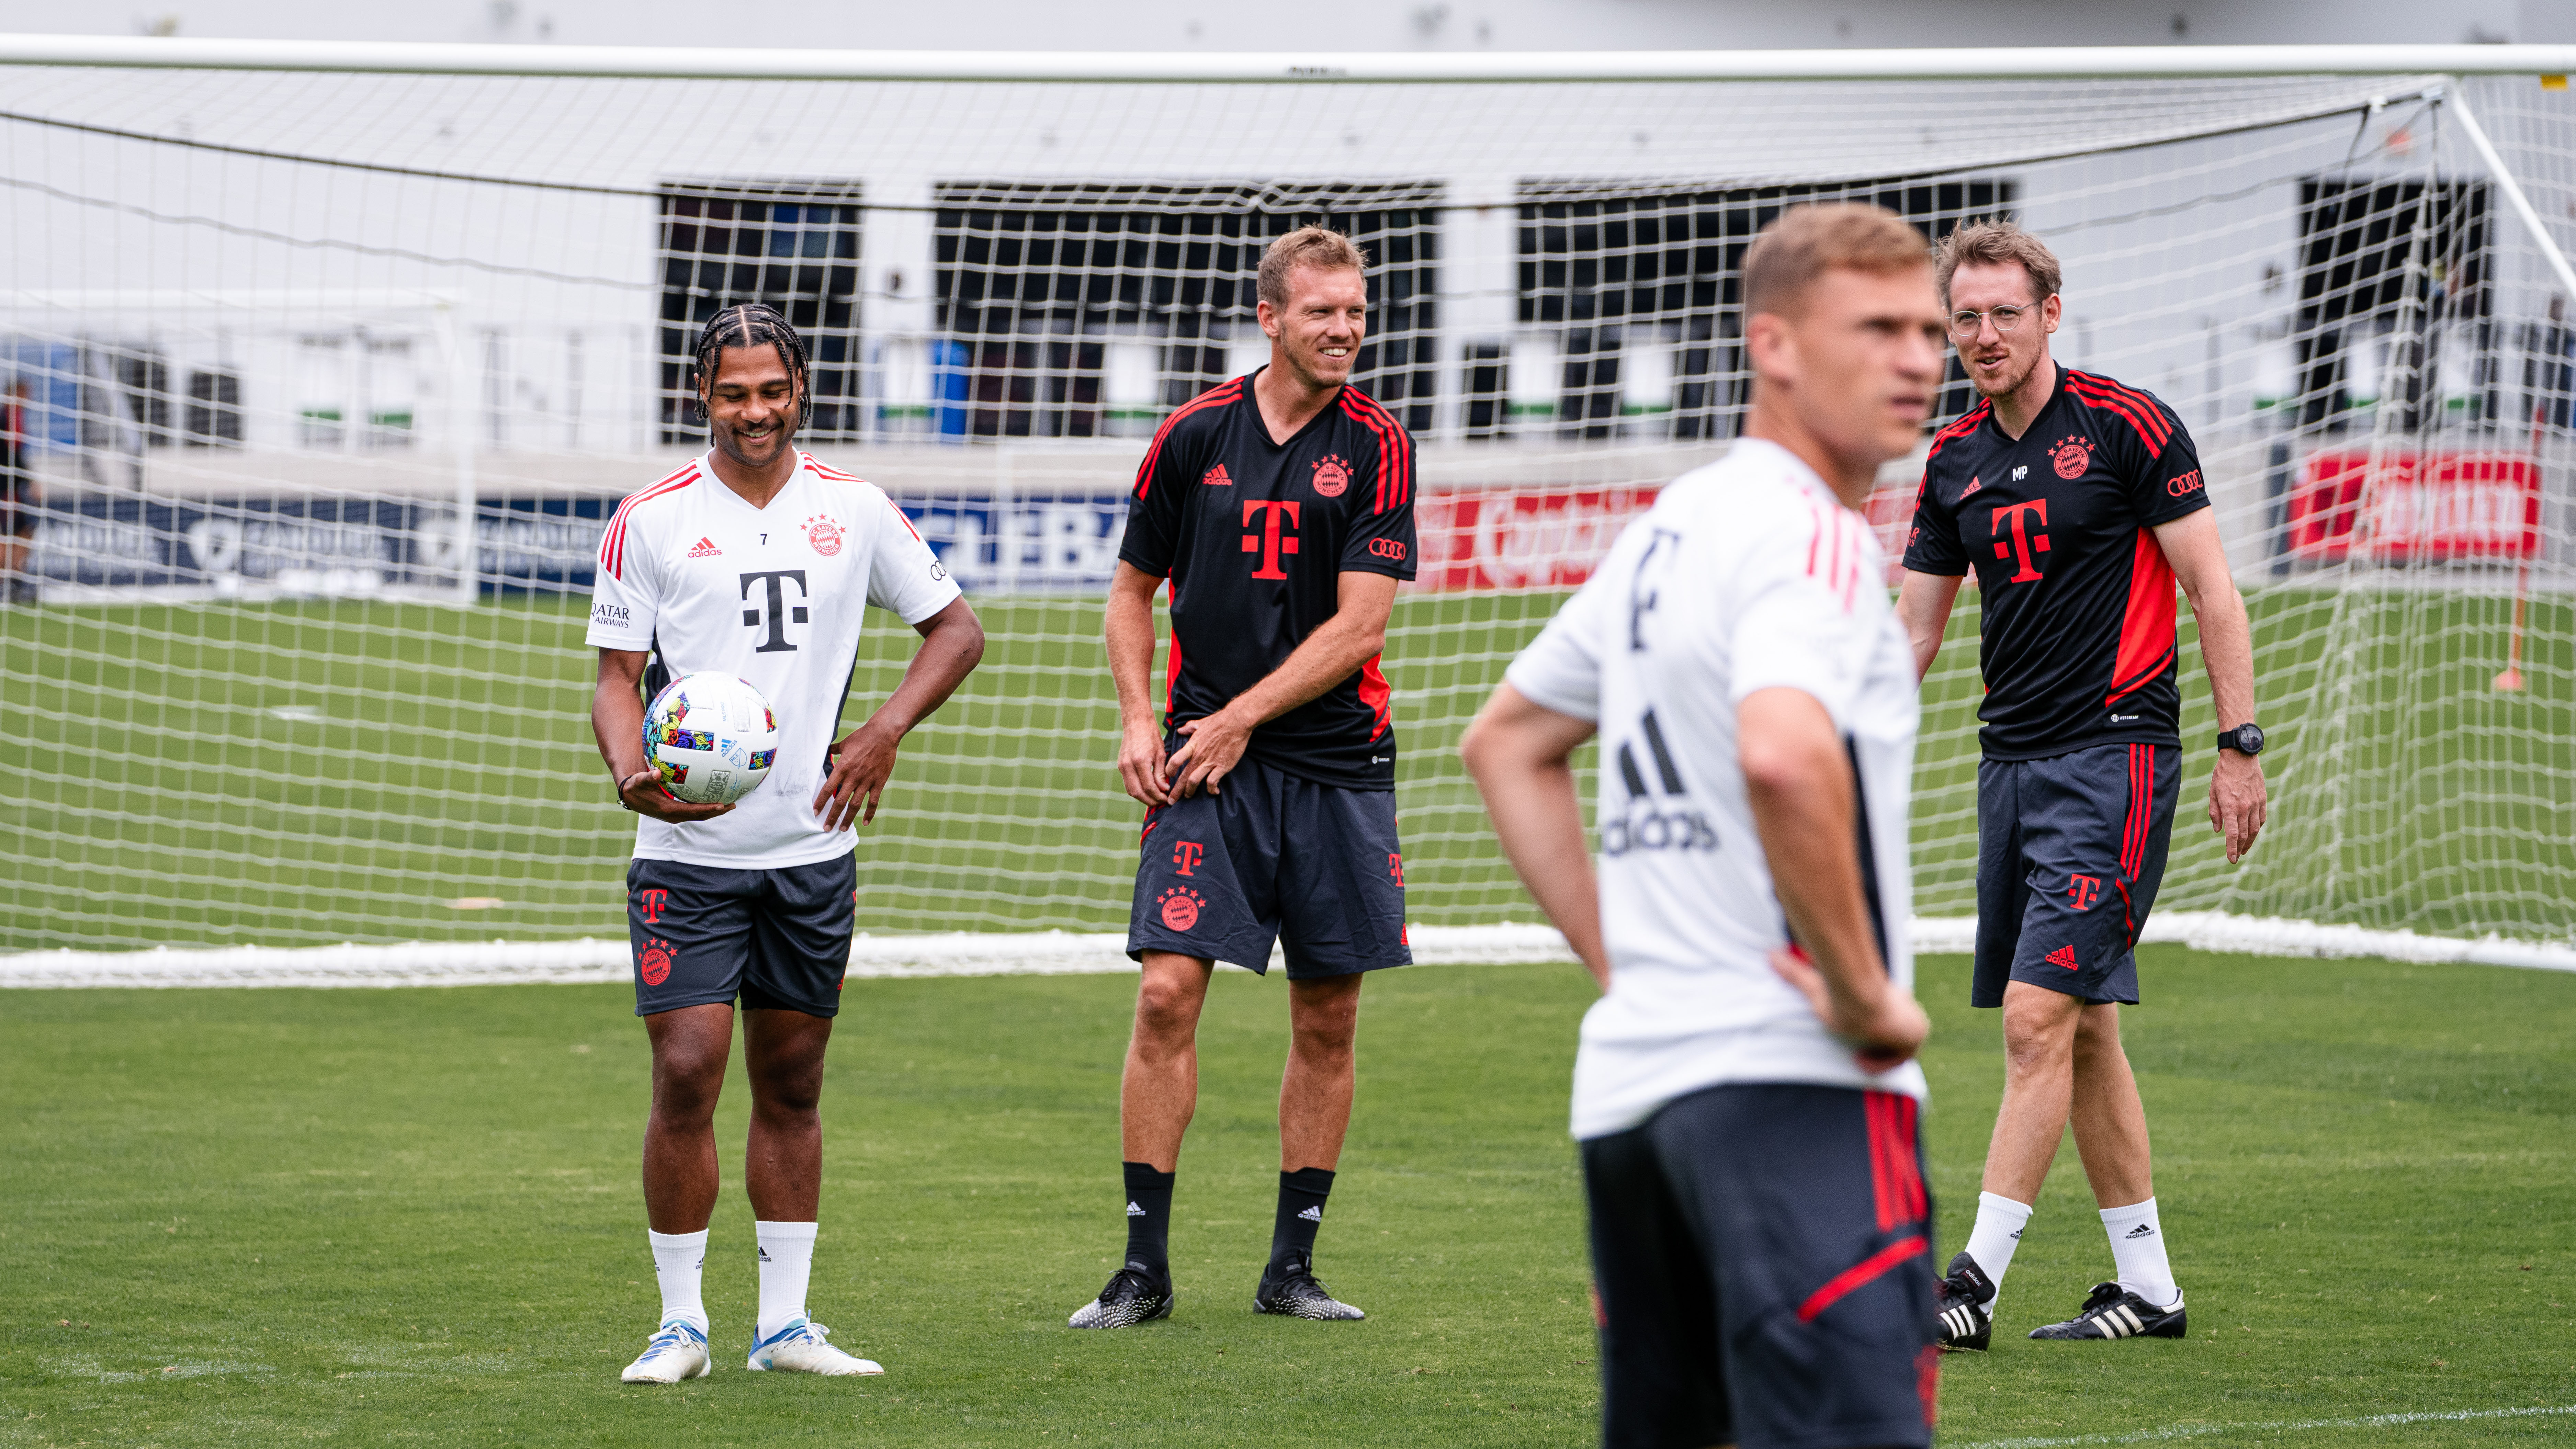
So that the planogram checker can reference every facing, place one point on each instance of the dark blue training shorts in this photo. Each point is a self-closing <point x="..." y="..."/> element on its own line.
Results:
<point x="1273" y="858"/>
<point x="779" y="938"/>
<point x="1763" y="1256"/>
<point x="2070" y="852"/>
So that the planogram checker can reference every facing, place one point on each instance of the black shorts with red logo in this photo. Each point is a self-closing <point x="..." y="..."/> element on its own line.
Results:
<point x="1762" y="1255"/>
<point x="778" y="938"/>
<point x="2070" y="853"/>
<point x="1273" y="857"/>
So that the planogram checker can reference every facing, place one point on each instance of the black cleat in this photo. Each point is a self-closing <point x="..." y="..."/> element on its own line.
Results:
<point x="1291" y="1289"/>
<point x="2115" y="1312"/>
<point x="1960" y="1314"/>
<point x="1136" y="1294"/>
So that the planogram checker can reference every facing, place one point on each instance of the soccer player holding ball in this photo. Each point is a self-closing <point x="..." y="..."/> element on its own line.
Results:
<point x="2080" y="503"/>
<point x="1280" y="507"/>
<point x="1744" y="1093"/>
<point x="759" y="562"/>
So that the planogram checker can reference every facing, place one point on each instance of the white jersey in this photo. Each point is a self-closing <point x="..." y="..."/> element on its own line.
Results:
<point x="1745" y="575"/>
<point x="694" y="574"/>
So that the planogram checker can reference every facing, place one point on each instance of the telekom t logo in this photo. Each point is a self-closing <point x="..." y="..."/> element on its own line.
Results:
<point x="653" y="904"/>
<point x="2083" y="890"/>
<point x="1186" y="856"/>
<point x="2024" y="543"/>
<point x="1269" y="543"/>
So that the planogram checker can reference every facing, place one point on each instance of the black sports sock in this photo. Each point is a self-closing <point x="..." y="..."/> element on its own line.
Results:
<point x="1301" y="1212"/>
<point x="1149" y="1217"/>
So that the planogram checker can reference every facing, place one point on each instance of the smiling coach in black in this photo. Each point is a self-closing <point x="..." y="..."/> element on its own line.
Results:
<point x="1280" y="507"/>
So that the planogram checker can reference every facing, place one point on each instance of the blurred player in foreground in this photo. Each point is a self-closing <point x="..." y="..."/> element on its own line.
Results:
<point x="760" y="562"/>
<point x="1280" y="506"/>
<point x="2079" y="502"/>
<point x="1747" y="1107"/>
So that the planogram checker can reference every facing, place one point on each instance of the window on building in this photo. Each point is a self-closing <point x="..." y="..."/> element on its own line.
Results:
<point x="792" y="244"/>
<point x="213" y="416"/>
<point x="1086" y="310"/>
<point x="2395" y="303"/>
<point x="1633" y="303"/>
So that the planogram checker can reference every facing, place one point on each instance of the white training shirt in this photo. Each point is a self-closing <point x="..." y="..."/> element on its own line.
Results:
<point x="775" y="595"/>
<point x="1745" y="575"/>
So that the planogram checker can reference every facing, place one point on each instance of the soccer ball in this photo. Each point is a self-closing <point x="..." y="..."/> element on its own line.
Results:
<point x="711" y="738"/>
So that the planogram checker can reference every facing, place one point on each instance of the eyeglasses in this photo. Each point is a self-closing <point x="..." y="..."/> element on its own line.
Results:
<point x="1964" y="325"/>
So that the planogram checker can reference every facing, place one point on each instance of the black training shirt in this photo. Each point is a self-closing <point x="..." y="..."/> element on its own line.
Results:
<point x="1255" y="536"/>
<point x="2078" y="601"/>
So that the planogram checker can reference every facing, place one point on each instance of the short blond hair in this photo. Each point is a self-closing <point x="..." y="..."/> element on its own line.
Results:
<point x="1808" y="241"/>
<point x="1995" y="243"/>
<point x="1307" y="246"/>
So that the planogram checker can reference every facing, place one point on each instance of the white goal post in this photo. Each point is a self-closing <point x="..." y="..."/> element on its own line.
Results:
<point x="329" y="360"/>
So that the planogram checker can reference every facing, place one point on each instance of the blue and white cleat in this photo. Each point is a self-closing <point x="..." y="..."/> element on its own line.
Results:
<point x="799" y="1348"/>
<point x="676" y="1351"/>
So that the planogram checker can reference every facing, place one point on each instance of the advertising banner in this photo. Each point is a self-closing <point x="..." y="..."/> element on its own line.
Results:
<point x="2416" y="507"/>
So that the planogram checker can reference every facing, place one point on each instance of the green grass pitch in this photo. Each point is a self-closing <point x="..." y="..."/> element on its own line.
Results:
<point x="310" y="773"/>
<point x="409" y="1216"/>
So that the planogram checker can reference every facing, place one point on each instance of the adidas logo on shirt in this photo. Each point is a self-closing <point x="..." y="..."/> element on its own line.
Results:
<point x="1134" y="1211"/>
<point x="1973" y="485"/>
<point x="1217" y="477"/>
<point x="706" y="549"/>
<point x="1311" y="1215"/>
<point x="764" y="1255"/>
<point x="2141" y="1231"/>
<point x="2064" y="956"/>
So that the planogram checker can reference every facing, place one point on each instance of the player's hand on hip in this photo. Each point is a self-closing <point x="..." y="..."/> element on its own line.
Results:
<point x="642" y="793"/>
<point x="1883" y="1034"/>
<point x="861" y="765"/>
<point x="2236" y="802"/>
<point x="1141" y="767"/>
<point x="1213" y="747"/>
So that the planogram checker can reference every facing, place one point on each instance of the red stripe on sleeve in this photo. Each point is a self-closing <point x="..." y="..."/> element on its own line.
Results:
<point x="2142" y="416"/>
<point x="1222" y="393"/>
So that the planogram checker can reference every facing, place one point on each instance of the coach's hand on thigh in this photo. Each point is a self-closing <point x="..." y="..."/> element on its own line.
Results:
<point x="1214" y="747"/>
<point x="1141" y="766"/>
<point x="861" y="765"/>
<point x="2236" y="800"/>
<point x="642" y="793"/>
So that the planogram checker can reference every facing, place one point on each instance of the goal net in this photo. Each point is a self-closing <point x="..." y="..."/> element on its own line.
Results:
<point x="327" y="379"/>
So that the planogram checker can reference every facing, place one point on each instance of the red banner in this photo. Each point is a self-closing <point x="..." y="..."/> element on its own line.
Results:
<point x="2416" y="507"/>
<point x="1476" y="540"/>
<point x="1537" y="538"/>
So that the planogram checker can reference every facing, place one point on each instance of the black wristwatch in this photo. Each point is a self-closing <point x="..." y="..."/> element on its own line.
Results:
<point x="2245" y="739"/>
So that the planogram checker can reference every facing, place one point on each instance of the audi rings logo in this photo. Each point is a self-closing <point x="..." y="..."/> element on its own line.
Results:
<point x="1387" y="548"/>
<point x="2188" y="483"/>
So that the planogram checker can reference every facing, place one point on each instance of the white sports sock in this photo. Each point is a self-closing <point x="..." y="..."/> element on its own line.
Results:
<point x="2138" y="1252"/>
<point x="678" y="1259"/>
<point x="786" y="1261"/>
<point x="1997" y="1233"/>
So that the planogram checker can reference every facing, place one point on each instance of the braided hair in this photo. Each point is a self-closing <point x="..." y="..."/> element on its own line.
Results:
<point x="751" y="324"/>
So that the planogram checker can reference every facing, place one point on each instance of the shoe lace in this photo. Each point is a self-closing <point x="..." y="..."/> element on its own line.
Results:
<point x="1131" y="1279"/>
<point x="668" y="1336"/>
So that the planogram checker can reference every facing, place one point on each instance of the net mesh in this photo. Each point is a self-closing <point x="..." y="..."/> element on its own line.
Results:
<point x="325" y="383"/>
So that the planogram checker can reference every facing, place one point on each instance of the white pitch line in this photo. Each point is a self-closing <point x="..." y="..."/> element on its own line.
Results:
<point x="2203" y="1431"/>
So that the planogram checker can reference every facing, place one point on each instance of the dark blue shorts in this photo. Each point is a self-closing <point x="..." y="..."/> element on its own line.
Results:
<point x="1763" y="1256"/>
<point x="1273" y="858"/>
<point x="777" y="938"/>
<point x="2070" y="852"/>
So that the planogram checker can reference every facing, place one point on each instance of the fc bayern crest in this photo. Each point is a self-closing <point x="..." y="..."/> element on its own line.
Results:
<point x="1180" y="907"/>
<point x="1332" y="475"/>
<point x="654" y="965"/>
<point x="2071" y="457"/>
<point x="824" y="534"/>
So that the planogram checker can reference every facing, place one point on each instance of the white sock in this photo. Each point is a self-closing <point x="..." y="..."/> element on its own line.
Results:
<point x="678" y="1259"/>
<point x="786" y="1261"/>
<point x="1998" y="1231"/>
<point x="2138" y="1252"/>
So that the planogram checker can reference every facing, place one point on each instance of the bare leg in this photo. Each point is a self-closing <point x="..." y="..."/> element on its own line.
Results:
<point x="1159" y="1091"/>
<point x="1316" y="1089"/>
<point x="784" y="1166"/>
<point x="2110" y="1121"/>
<point x="2039" y="1085"/>
<point x="690" y="1048"/>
